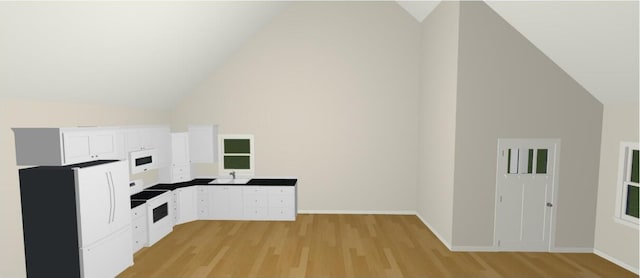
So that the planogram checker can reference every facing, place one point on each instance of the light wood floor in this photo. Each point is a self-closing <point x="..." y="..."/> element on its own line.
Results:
<point x="342" y="246"/>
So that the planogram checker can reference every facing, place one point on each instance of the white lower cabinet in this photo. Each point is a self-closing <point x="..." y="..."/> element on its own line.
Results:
<point x="282" y="202"/>
<point x="185" y="204"/>
<point x="246" y="202"/>
<point x="139" y="227"/>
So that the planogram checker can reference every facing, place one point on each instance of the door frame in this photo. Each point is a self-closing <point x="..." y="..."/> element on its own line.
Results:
<point x="556" y="143"/>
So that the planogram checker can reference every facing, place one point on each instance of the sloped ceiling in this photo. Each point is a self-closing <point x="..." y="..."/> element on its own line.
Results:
<point x="595" y="42"/>
<point x="142" y="54"/>
<point x="150" y="54"/>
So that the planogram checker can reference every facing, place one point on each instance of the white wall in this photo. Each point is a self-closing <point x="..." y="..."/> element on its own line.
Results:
<point x="17" y="113"/>
<point x="438" y="118"/>
<point x="507" y="88"/>
<point x="613" y="240"/>
<point x="330" y="91"/>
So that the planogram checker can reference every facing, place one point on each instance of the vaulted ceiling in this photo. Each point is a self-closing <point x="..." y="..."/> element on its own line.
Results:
<point x="150" y="54"/>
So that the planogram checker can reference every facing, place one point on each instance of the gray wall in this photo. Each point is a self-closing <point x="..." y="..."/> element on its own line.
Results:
<point x="507" y="88"/>
<point x="614" y="239"/>
<point x="438" y="118"/>
<point x="330" y="91"/>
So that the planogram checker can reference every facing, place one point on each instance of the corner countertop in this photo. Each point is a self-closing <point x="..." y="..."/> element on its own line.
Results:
<point x="205" y="181"/>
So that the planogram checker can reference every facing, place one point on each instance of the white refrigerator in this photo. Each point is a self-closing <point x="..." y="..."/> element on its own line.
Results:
<point x="77" y="219"/>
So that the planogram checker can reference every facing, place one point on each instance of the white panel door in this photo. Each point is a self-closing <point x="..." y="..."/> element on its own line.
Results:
<point x="95" y="203"/>
<point x="525" y="182"/>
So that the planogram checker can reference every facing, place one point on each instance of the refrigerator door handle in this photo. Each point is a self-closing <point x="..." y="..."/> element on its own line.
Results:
<point x="110" y="197"/>
<point x="113" y="192"/>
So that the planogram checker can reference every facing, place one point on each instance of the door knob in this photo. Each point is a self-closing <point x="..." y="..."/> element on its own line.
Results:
<point x="549" y="205"/>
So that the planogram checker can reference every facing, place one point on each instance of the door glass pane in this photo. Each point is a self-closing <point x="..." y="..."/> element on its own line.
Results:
<point x="530" y="162"/>
<point x="237" y="146"/>
<point x="634" y="166"/>
<point x="236" y="162"/>
<point x="632" y="200"/>
<point x="512" y="161"/>
<point x="541" y="161"/>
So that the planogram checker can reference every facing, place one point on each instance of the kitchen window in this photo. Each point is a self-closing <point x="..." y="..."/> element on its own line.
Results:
<point x="627" y="210"/>
<point x="236" y="154"/>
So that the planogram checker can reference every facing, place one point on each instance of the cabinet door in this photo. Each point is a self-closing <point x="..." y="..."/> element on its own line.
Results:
<point x="203" y="143"/>
<point x="187" y="204"/>
<point x="235" y="203"/>
<point x="76" y="147"/>
<point x="179" y="149"/>
<point x="161" y="141"/>
<point x="218" y="202"/>
<point x="82" y="146"/>
<point x="132" y="141"/>
<point x="225" y="202"/>
<point x="102" y="145"/>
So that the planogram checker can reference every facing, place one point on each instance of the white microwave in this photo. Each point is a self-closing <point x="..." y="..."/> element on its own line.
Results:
<point x="144" y="160"/>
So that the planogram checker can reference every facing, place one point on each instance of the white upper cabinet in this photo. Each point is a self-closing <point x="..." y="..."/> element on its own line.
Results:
<point x="145" y="138"/>
<point x="179" y="164"/>
<point x="203" y="143"/>
<point x="179" y="149"/>
<point x="64" y="146"/>
<point x="86" y="145"/>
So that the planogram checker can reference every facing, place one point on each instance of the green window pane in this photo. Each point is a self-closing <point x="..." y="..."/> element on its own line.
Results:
<point x="634" y="166"/>
<point x="632" y="201"/>
<point x="530" y="162"/>
<point x="237" y="146"/>
<point x="236" y="162"/>
<point x="541" y="161"/>
<point x="509" y="161"/>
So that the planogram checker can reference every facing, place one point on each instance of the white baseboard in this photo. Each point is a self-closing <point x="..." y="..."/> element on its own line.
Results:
<point x="446" y="243"/>
<point x="392" y="212"/>
<point x="571" y="250"/>
<point x="474" y="249"/>
<point x="616" y="261"/>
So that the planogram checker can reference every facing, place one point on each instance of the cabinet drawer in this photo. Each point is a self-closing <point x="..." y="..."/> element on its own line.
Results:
<point x="203" y="213"/>
<point x="139" y="225"/>
<point x="253" y="200"/>
<point x="282" y="213"/>
<point x="278" y="201"/>
<point x="251" y="212"/>
<point x="281" y="190"/>
<point x="139" y="211"/>
<point x="257" y="190"/>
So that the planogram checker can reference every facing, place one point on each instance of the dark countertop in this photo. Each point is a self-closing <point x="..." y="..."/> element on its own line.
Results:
<point x="174" y="186"/>
<point x="253" y="182"/>
<point x="136" y="203"/>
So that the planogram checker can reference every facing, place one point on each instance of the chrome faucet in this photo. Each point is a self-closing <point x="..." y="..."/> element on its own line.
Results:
<point x="233" y="174"/>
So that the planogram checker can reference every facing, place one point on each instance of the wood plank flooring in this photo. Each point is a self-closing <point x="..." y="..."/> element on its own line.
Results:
<point x="342" y="246"/>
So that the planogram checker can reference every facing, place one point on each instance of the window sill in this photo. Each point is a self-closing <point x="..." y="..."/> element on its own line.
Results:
<point x="626" y="223"/>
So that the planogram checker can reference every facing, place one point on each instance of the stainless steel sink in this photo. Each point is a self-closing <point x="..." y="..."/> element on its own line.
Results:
<point x="230" y="181"/>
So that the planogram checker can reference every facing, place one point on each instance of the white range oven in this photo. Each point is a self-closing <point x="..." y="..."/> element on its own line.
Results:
<point x="159" y="213"/>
